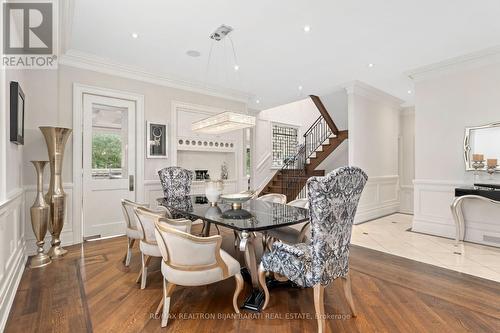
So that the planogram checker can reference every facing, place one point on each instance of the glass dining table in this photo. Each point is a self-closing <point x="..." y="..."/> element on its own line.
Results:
<point x="253" y="216"/>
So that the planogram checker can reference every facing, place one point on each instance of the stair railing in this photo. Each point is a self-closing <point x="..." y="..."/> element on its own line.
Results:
<point x="294" y="171"/>
<point x="316" y="135"/>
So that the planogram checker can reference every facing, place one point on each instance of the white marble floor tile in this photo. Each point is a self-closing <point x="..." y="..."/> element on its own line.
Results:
<point x="390" y="234"/>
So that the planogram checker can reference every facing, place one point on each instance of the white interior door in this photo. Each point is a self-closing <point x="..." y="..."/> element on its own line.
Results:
<point x="109" y="150"/>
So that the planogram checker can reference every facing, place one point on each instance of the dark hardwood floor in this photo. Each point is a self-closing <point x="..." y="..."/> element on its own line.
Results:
<point x="90" y="290"/>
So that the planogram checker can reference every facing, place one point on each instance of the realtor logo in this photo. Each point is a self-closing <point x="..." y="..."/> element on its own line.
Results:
<point x="29" y="33"/>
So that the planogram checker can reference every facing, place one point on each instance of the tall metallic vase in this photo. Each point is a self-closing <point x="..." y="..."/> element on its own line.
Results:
<point x="40" y="214"/>
<point x="56" y="138"/>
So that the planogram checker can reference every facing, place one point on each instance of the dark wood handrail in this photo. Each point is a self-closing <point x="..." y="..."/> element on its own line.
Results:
<point x="324" y="112"/>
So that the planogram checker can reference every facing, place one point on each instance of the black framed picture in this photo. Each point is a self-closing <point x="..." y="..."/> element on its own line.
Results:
<point x="16" y="113"/>
<point x="157" y="140"/>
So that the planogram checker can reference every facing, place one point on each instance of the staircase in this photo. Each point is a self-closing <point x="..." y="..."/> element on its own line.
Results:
<point x="320" y="140"/>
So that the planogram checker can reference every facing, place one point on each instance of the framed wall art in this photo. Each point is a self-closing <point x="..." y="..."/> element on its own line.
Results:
<point x="157" y="140"/>
<point x="16" y="113"/>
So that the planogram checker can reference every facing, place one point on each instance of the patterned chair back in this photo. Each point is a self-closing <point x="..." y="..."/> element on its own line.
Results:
<point x="176" y="181"/>
<point x="333" y="200"/>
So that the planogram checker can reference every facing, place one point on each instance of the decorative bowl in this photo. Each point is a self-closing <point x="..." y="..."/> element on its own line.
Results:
<point x="236" y="199"/>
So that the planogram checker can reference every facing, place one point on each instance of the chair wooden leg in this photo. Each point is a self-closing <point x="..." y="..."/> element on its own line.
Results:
<point x="264" y="241"/>
<point x="262" y="282"/>
<point x="159" y="308"/>
<point x="168" y="289"/>
<point x="346" y="283"/>
<point x="319" y="306"/>
<point x="138" y="279"/>
<point x="270" y="242"/>
<point x="144" y="274"/>
<point x="128" y="256"/>
<point x="236" y="240"/>
<point x="237" y="290"/>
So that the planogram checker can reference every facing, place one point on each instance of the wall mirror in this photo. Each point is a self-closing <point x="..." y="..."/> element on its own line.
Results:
<point x="481" y="140"/>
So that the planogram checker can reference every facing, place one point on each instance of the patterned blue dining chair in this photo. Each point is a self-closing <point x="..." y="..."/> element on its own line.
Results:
<point x="333" y="200"/>
<point x="175" y="181"/>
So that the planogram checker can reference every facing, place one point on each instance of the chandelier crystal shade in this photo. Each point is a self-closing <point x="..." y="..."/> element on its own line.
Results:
<point x="223" y="122"/>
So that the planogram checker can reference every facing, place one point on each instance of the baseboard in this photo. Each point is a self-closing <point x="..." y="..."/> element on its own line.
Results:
<point x="376" y="212"/>
<point x="12" y="283"/>
<point x="432" y="227"/>
<point x="66" y="240"/>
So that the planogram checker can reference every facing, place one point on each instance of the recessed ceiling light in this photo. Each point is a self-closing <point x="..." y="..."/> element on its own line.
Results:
<point x="257" y="101"/>
<point x="371" y="65"/>
<point x="409" y="91"/>
<point x="307" y="28"/>
<point x="135" y="35"/>
<point x="236" y="67"/>
<point x="193" y="53"/>
<point x="300" y="87"/>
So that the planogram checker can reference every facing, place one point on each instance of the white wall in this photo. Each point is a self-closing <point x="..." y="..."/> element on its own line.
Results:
<point x="373" y="146"/>
<point x="52" y="93"/>
<point x="447" y="101"/>
<point x="12" y="240"/>
<point x="301" y="114"/>
<point x="336" y="103"/>
<point x="406" y="159"/>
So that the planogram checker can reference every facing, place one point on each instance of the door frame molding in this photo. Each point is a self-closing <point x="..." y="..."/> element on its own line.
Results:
<point x="78" y="91"/>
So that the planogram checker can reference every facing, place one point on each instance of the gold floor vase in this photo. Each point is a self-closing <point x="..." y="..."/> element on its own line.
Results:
<point x="40" y="214"/>
<point x="56" y="138"/>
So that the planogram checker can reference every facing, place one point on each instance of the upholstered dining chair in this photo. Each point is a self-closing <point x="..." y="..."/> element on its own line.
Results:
<point x="175" y="181"/>
<point x="132" y="232"/>
<point x="148" y="244"/>
<point x="333" y="202"/>
<point x="275" y="198"/>
<point x="293" y="234"/>
<point x="193" y="261"/>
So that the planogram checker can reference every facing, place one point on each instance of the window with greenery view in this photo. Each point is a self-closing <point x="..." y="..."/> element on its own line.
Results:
<point x="106" y="151"/>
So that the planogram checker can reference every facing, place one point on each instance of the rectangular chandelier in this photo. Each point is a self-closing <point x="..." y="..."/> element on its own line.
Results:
<point x="223" y="122"/>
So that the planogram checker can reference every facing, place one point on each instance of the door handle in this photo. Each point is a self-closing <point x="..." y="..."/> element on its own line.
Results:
<point x="131" y="182"/>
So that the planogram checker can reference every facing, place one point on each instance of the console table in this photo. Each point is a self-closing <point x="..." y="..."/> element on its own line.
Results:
<point x="483" y="192"/>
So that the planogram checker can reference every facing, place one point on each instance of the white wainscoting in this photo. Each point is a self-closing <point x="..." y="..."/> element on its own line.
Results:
<point x="406" y="199"/>
<point x="380" y="197"/>
<point x="12" y="250"/>
<point x="68" y="236"/>
<point x="432" y="207"/>
<point x="433" y="215"/>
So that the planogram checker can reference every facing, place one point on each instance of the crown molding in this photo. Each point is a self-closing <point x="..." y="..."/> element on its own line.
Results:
<point x="468" y="61"/>
<point x="362" y="89"/>
<point x="82" y="60"/>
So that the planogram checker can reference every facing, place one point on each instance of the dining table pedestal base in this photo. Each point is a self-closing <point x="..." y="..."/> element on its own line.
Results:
<point x="255" y="300"/>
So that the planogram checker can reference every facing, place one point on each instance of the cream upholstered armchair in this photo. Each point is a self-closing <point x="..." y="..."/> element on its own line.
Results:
<point x="132" y="231"/>
<point x="148" y="244"/>
<point x="193" y="261"/>
<point x="333" y="202"/>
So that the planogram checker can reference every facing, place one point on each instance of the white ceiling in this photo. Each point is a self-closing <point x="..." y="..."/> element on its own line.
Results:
<point x="274" y="53"/>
